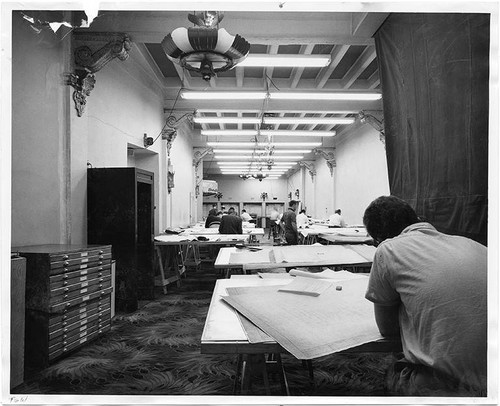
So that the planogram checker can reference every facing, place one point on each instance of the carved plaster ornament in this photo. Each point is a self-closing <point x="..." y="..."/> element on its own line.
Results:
<point x="92" y="51"/>
<point x="310" y="167"/>
<point x="328" y="155"/>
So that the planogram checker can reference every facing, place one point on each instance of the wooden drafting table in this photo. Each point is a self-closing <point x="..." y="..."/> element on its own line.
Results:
<point x="345" y="239"/>
<point x="310" y="234"/>
<point x="223" y="333"/>
<point x="294" y="256"/>
<point x="252" y="232"/>
<point x="173" y="252"/>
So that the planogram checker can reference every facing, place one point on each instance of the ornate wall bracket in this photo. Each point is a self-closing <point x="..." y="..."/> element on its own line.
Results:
<point x="310" y="167"/>
<point x="169" y="131"/>
<point x="92" y="51"/>
<point x="168" y="134"/>
<point x="198" y="155"/>
<point x="376" y="120"/>
<point x="328" y="155"/>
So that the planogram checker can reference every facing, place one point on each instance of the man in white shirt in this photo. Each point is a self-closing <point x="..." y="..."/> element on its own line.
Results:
<point x="336" y="219"/>
<point x="245" y="216"/>
<point x="302" y="220"/>
<point x="430" y="288"/>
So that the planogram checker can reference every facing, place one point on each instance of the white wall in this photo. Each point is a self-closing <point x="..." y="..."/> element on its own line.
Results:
<point x="51" y="144"/>
<point x="361" y="173"/>
<point x="39" y="171"/>
<point x="181" y="204"/>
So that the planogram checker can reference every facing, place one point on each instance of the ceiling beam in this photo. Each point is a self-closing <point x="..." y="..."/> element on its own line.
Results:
<point x="367" y="24"/>
<point x="297" y="72"/>
<point x="366" y="57"/>
<point x="337" y="54"/>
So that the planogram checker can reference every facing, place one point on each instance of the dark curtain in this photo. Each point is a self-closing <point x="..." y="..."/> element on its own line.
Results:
<point x="434" y="71"/>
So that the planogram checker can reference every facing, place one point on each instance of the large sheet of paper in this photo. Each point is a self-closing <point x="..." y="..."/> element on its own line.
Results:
<point x="306" y="326"/>
<point x="252" y="257"/>
<point x="317" y="254"/>
<point x="172" y="238"/>
<point x="327" y="274"/>
<point x="367" y="251"/>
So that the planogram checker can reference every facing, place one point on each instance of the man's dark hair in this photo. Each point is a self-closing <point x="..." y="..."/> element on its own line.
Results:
<point x="303" y="211"/>
<point x="212" y="212"/>
<point x="231" y="210"/>
<point x="387" y="216"/>
<point x="338" y="211"/>
<point x="292" y="203"/>
<point x="243" y="211"/>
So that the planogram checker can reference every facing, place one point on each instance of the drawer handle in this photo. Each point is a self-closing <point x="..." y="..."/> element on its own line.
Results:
<point x="100" y="286"/>
<point x="64" y="336"/>
<point x="65" y="342"/>
<point x="100" y="280"/>
<point x="66" y="289"/>
<point x="65" y="276"/>
<point x="101" y="252"/>
<point x="68" y="304"/>
<point x="65" y="349"/>
<point x="65" y="283"/>
<point x="100" y="308"/>
<point x="65" y="296"/>
<point x="64" y="323"/>
<point x="66" y="263"/>
<point x="66" y="257"/>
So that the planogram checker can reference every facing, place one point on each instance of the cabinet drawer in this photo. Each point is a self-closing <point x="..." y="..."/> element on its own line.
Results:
<point x="70" y="278"/>
<point x="63" y="347"/>
<point x="63" y="296"/>
<point x="80" y="285"/>
<point x="74" y="264"/>
<point x="78" y="326"/>
<point x="59" y="307"/>
<point x="63" y="321"/>
<point x="90" y="252"/>
<point x="83" y="308"/>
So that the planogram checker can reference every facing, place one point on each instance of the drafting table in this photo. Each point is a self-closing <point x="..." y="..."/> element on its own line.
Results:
<point x="252" y="232"/>
<point x="309" y="235"/>
<point x="290" y="256"/>
<point x="223" y="333"/>
<point x="173" y="252"/>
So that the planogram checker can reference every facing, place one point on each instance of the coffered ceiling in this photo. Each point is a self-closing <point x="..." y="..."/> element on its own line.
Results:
<point x="347" y="38"/>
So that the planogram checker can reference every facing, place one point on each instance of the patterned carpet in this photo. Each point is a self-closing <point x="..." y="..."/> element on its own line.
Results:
<point x="156" y="351"/>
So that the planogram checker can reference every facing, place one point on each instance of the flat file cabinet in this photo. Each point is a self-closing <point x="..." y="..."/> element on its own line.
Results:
<point x="68" y="299"/>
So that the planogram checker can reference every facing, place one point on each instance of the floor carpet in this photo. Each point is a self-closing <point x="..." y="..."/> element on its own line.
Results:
<point x="156" y="351"/>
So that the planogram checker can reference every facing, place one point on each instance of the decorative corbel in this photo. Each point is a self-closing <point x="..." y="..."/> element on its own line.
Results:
<point x="328" y="155"/>
<point x="92" y="51"/>
<point x="375" y="122"/>
<point x="199" y="154"/>
<point x="169" y="135"/>
<point x="174" y="122"/>
<point x="310" y="167"/>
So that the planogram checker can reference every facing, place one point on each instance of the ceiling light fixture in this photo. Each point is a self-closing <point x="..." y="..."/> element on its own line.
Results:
<point x="307" y="61"/>
<point x="205" y="48"/>
<point x="263" y="144"/>
<point x="255" y="163"/>
<point x="249" y="157"/>
<point x="282" y="95"/>
<point x="274" y="120"/>
<point x="253" y="133"/>
<point x="261" y="151"/>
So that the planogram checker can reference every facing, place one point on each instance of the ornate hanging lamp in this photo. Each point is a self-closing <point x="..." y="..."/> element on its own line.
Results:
<point x="205" y="48"/>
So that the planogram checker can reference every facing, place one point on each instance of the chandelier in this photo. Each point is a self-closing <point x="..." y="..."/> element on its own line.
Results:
<point x="205" y="48"/>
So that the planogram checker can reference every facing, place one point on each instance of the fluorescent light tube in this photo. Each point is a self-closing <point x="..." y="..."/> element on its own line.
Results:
<point x="213" y="95"/>
<point x="254" y="163"/>
<point x="274" y="120"/>
<point x="261" y="151"/>
<point x="256" y="95"/>
<point x="293" y="133"/>
<point x="308" y="120"/>
<point x="262" y="144"/>
<point x="317" y="61"/>
<point x="249" y="157"/>
<point x="324" y="96"/>
<point x="227" y="120"/>
<point x="288" y="133"/>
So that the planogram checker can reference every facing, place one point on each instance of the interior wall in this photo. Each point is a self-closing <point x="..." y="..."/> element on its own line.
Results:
<point x="323" y="186"/>
<point x="238" y="190"/>
<point x="52" y="145"/>
<point x="181" y="204"/>
<point x="39" y="183"/>
<point x="360" y="174"/>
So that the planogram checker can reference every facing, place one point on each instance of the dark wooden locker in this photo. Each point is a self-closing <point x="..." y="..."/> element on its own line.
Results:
<point x="120" y="210"/>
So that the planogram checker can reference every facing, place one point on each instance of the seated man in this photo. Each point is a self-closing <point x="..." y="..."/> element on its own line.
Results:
<point x="302" y="220"/>
<point x="212" y="218"/>
<point x="231" y="223"/>
<point x="430" y="288"/>
<point x="245" y="216"/>
<point x="336" y="219"/>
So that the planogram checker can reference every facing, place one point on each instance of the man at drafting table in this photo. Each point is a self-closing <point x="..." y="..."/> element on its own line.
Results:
<point x="431" y="289"/>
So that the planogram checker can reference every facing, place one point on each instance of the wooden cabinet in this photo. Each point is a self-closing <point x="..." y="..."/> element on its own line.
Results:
<point x="17" y="320"/>
<point x="67" y="298"/>
<point x="120" y="209"/>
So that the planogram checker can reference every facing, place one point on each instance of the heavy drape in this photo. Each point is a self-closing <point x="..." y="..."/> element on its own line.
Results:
<point x="434" y="71"/>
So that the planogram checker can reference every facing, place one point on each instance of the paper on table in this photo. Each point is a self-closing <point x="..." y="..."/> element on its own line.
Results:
<point x="174" y="238"/>
<point x="306" y="286"/>
<point x="310" y="327"/>
<point x="274" y="275"/>
<point x="366" y="251"/>
<point x="326" y="274"/>
<point x="251" y="257"/>
<point x="320" y="254"/>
